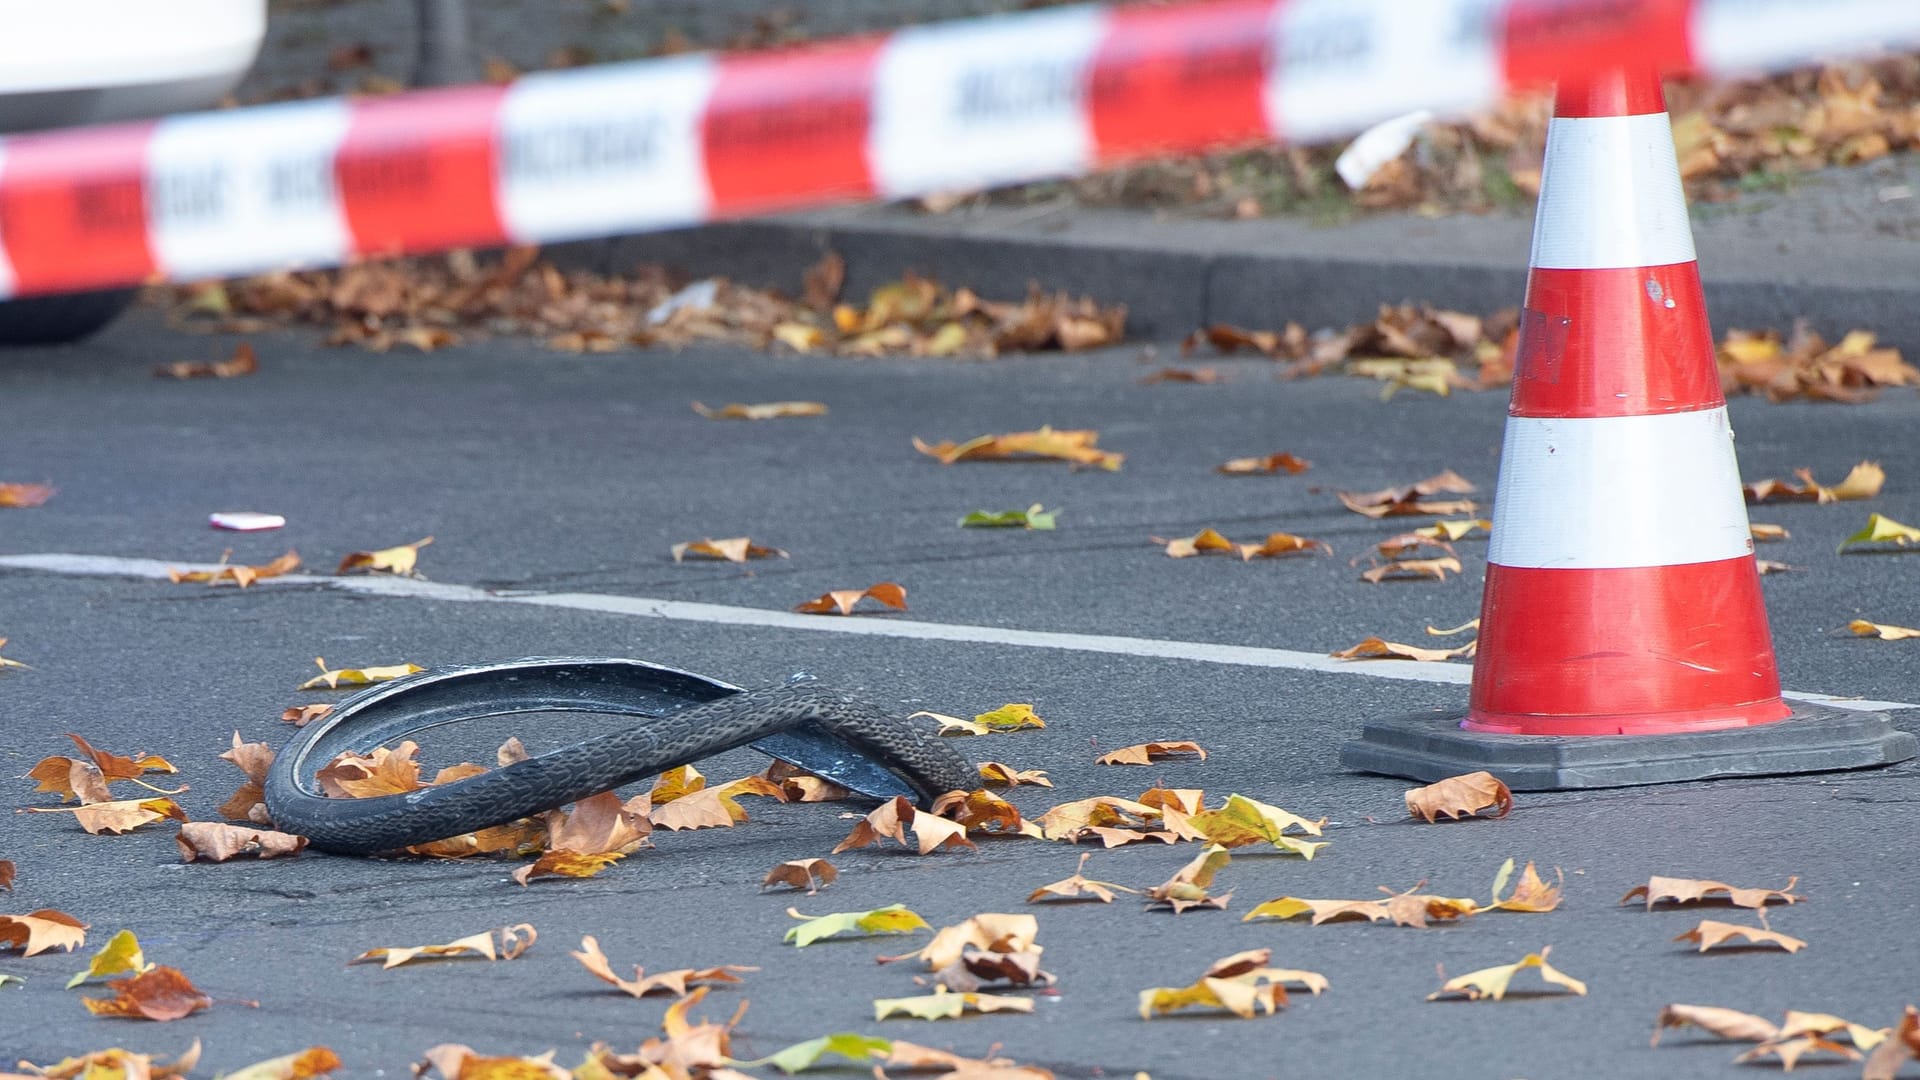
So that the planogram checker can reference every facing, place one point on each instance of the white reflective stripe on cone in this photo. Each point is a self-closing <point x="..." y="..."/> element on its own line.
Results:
<point x="598" y="152"/>
<point x="244" y="191"/>
<point x="6" y="266"/>
<point x="997" y="101"/>
<point x="1596" y="493"/>
<point x="1341" y="65"/>
<point x="1742" y="37"/>
<point x="1610" y="195"/>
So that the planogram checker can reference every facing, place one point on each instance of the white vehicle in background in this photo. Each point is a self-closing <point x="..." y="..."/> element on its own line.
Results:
<point x="69" y="62"/>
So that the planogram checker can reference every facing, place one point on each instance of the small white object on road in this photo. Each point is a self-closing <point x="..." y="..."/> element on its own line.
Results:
<point x="700" y="295"/>
<point x="246" y="521"/>
<point x="1370" y="151"/>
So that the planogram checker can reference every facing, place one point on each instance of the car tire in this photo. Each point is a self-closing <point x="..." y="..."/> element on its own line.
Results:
<point x="49" y="320"/>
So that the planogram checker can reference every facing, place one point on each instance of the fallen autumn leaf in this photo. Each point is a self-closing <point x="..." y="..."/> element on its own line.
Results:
<point x="771" y="410"/>
<point x="1492" y="982"/>
<point x="841" y="601"/>
<point x="1460" y="796"/>
<point x="735" y="549"/>
<point x="394" y="560"/>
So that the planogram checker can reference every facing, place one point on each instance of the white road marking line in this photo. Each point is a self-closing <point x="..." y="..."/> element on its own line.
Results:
<point x="723" y="614"/>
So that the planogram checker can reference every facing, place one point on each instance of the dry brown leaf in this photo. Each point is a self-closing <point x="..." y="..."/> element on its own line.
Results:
<point x="249" y="802"/>
<point x="1375" y="648"/>
<point x="116" y="767"/>
<point x="1710" y="933"/>
<point x="302" y="715"/>
<point x="1531" y="894"/>
<point x="1067" y="821"/>
<point x="70" y="778"/>
<point x="770" y="410"/>
<point x="1460" y="796"/>
<point x="1203" y="542"/>
<point x="216" y="842"/>
<point x="1149" y="752"/>
<point x="514" y="940"/>
<point x="841" y="601"/>
<point x="733" y="549"/>
<point x="339" y="677"/>
<point x="1000" y="774"/>
<point x="39" y="931"/>
<point x="1767" y="534"/>
<point x="1272" y="463"/>
<point x="990" y="932"/>
<point x="1076" y="446"/>
<point x="1278" y="544"/>
<point x="6" y="875"/>
<point x="1492" y="982"/>
<point x="821" y="283"/>
<point x="601" y="824"/>
<point x="162" y="993"/>
<point x="809" y="874"/>
<point x="562" y="863"/>
<point x="894" y="818"/>
<point x="1863" y="482"/>
<point x="1411" y="499"/>
<point x="1790" y="1051"/>
<point x="117" y="817"/>
<point x="454" y="1061"/>
<point x="714" y="807"/>
<point x="393" y="560"/>
<point x="242" y="576"/>
<point x="20" y="496"/>
<point x="1402" y="909"/>
<point x="1401" y="569"/>
<point x="1726" y="1023"/>
<point x="1242" y="984"/>
<point x="1183" y="375"/>
<point x="642" y="984"/>
<point x="1689" y="890"/>
<point x="1806" y="1023"/>
<point x="1188" y="887"/>
<point x="242" y="362"/>
<point x="384" y="772"/>
<point x="1863" y="628"/>
<point x="801" y="786"/>
<point x="1079" y="886"/>
<point x="1893" y="1052"/>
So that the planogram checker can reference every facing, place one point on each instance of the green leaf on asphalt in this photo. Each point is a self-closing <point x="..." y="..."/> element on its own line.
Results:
<point x="1033" y="517"/>
<point x="855" y="1047"/>
<point x="1245" y="821"/>
<point x="1011" y="717"/>
<point x="892" y="919"/>
<point x="1500" y="879"/>
<point x="121" y="955"/>
<point x="1883" y="530"/>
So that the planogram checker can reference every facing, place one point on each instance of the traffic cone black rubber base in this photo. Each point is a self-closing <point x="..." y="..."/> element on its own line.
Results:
<point x="1816" y="738"/>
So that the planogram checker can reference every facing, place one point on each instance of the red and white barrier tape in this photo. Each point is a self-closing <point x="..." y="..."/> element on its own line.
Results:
<point x="656" y="144"/>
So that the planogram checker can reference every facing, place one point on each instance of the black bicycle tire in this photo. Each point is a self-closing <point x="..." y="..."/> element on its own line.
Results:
<point x="390" y="822"/>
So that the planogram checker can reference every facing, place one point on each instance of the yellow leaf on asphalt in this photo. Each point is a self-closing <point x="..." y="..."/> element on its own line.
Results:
<point x="982" y="811"/>
<point x="679" y="781"/>
<point x="734" y="549"/>
<point x="770" y="410"/>
<point x="1726" y="1023"/>
<point x="40" y="931"/>
<point x="242" y="576"/>
<point x="1375" y="648"/>
<point x="6" y="663"/>
<point x="1863" y="628"/>
<point x="473" y="946"/>
<point x="943" y="1005"/>
<point x="798" y="336"/>
<point x="1455" y="529"/>
<point x="1000" y="774"/>
<point x="1280" y="544"/>
<point x="1069" y="820"/>
<point x="1689" y="890"/>
<point x="1272" y="463"/>
<point x="1532" y="894"/>
<point x="1010" y="717"/>
<point x="454" y="1061"/>
<point x="1200" y="543"/>
<point x="20" y="496"/>
<point x="1460" y="796"/>
<point x="1149" y="752"/>
<point x="841" y="601"/>
<point x="892" y="919"/>
<point x="386" y="771"/>
<point x="642" y="984"/>
<point x="314" y="1061"/>
<point x="712" y="807"/>
<point x="121" y="955"/>
<point x="1711" y="933"/>
<point x="1863" y="482"/>
<point x="334" y="679"/>
<point x="1078" y="887"/>
<point x="1882" y="530"/>
<point x="1401" y="569"/>
<point x="567" y="864"/>
<point x="393" y="560"/>
<point x="1492" y="982"/>
<point x="1242" y="984"/>
<point x="1241" y="821"/>
<point x="1075" y="446"/>
<point x="1188" y="887"/>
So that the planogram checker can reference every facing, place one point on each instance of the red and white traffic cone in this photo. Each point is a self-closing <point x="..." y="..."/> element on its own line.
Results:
<point x="1622" y="597"/>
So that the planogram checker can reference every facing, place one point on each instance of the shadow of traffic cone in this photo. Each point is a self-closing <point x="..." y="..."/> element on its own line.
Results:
<point x="1623" y="635"/>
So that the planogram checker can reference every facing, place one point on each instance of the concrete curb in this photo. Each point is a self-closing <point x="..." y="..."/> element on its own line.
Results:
<point x="1813" y="253"/>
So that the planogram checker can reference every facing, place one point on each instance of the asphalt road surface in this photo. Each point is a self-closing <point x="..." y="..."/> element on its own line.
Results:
<point x="541" y="475"/>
